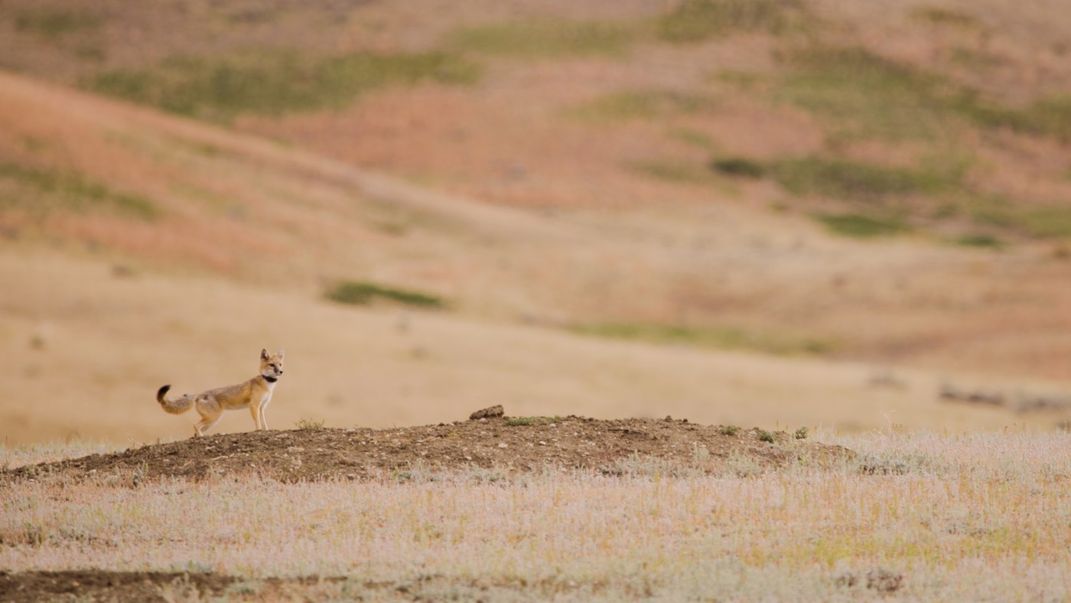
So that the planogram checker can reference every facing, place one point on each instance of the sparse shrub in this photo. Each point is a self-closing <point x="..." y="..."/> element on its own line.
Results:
<point x="765" y="436"/>
<point x="728" y="430"/>
<point x="310" y="424"/>
<point x="801" y="433"/>
<point x="363" y="293"/>
<point x="739" y="166"/>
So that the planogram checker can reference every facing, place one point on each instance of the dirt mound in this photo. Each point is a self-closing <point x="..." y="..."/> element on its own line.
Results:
<point x="510" y="444"/>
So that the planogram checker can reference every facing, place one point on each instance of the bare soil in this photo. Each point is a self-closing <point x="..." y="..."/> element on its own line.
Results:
<point x="103" y="585"/>
<point x="508" y="444"/>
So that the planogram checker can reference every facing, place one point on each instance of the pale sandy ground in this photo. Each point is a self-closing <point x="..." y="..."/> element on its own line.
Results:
<point x="86" y="350"/>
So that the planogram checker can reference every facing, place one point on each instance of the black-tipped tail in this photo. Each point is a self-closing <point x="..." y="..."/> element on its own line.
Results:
<point x="174" y="407"/>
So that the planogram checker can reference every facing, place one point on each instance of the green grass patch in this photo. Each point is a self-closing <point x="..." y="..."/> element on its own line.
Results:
<point x="63" y="190"/>
<point x="545" y="38"/>
<point x="698" y="20"/>
<point x="1026" y="219"/>
<point x="739" y="167"/>
<point x="53" y="22"/>
<point x="274" y="82"/>
<point x="640" y="105"/>
<point x="711" y="337"/>
<point x="939" y="15"/>
<point x="855" y="181"/>
<point x="701" y="140"/>
<point x="362" y="293"/>
<point x="981" y="240"/>
<point x="864" y="95"/>
<point x="1049" y="116"/>
<point x="863" y="226"/>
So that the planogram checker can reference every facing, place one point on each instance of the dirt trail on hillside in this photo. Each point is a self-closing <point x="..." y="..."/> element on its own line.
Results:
<point x="508" y="445"/>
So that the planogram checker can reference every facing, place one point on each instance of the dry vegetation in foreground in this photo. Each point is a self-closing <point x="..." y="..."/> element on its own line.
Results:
<point x="914" y="516"/>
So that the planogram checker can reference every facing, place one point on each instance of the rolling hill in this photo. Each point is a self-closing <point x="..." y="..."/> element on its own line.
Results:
<point x="789" y="213"/>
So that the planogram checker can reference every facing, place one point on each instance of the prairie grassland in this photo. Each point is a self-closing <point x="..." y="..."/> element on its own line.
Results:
<point x="916" y="516"/>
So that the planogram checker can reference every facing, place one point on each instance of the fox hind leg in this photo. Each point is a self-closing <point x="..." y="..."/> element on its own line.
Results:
<point x="210" y="412"/>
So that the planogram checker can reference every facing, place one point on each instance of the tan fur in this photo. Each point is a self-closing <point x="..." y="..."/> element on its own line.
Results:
<point x="254" y="394"/>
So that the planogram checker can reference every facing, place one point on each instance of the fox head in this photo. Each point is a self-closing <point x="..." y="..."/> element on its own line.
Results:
<point x="271" y="365"/>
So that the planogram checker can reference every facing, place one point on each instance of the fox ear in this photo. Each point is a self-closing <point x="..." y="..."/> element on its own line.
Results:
<point x="263" y="354"/>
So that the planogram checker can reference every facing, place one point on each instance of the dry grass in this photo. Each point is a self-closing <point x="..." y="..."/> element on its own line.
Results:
<point x="978" y="517"/>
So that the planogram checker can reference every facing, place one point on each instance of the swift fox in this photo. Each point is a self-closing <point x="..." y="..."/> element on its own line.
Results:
<point x="254" y="394"/>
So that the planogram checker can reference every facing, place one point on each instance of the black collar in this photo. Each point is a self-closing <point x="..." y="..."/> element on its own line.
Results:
<point x="269" y="379"/>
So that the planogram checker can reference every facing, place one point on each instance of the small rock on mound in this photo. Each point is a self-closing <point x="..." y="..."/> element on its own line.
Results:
<point x="491" y="412"/>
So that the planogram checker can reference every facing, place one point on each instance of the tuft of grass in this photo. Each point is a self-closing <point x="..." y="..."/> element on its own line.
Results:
<point x="801" y="433"/>
<point x="862" y="226"/>
<point x="855" y="181"/>
<point x="57" y="189"/>
<point x="274" y="82"/>
<point x="712" y="337"/>
<point x="640" y="104"/>
<point x="765" y="436"/>
<point x="523" y="421"/>
<point x="728" y="430"/>
<point x="981" y="240"/>
<point x="739" y="166"/>
<point x="312" y="424"/>
<point x="53" y="23"/>
<point x="698" y="20"/>
<point x="364" y="293"/>
<point x="545" y="38"/>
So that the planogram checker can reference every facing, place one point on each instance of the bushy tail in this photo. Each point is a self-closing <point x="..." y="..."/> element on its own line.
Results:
<point x="175" y="407"/>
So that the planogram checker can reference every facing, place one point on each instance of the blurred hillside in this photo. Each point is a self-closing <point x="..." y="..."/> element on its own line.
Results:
<point x="821" y="191"/>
